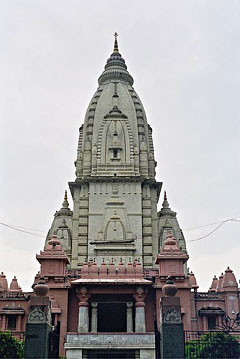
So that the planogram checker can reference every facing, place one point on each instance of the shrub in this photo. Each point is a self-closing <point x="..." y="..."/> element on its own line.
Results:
<point x="213" y="345"/>
<point x="10" y="347"/>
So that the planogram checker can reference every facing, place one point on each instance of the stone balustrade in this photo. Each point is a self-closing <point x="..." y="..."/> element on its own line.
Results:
<point x="208" y="295"/>
<point x="110" y="340"/>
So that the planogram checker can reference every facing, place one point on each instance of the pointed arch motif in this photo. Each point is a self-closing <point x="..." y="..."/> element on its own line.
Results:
<point x="115" y="143"/>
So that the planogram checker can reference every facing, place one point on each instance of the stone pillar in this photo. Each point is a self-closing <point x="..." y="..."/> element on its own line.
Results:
<point x="83" y="313"/>
<point x="140" y="319"/>
<point x="129" y="317"/>
<point x="140" y="326"/>
<point x="4" y="322"/>
<point x="83" y="318"/>
<point x="18" y="323"/>
<point x="38" y="324"/>
<point x="74" y="354"/>
<point x="171" y="327"/>
<point x="147" y="354"/>
<point x="94" y="317"/>
<point x="205" y="323"/>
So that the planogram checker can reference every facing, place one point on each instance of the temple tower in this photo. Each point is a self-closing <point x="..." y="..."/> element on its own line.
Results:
<point x="115" y="193"/>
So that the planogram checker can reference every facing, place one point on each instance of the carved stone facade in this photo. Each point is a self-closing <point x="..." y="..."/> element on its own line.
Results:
<point x="115" y="193"/>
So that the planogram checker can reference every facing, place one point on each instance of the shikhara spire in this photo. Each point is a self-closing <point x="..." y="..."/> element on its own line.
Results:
<point x="115" y="192"/>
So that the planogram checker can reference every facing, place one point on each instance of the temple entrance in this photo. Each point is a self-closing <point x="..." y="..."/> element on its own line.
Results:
<point x="111" y="354"/>
<point x="112" y="317"/>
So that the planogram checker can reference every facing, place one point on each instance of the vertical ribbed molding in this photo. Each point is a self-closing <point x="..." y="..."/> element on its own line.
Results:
<point x="75" y="226"/>
<point x="130" y="141"/>
<point x="147" y="249"/>
<point x="83" y="223"/>
<point x="80" y="224"/>
<point x="79" y="161"/>
<point x="151" y="159"/>
<point x="142" y="133"/>
<point x="87" y="135"/>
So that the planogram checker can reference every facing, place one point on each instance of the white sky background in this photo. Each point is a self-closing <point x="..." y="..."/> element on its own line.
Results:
<point x="184" y="56"/>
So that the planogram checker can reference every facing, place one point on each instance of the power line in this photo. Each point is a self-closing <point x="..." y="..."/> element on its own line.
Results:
<point x="211" y="224"/>
<point x="208" y="234"/>
<point x="220" y="224"/>
<point x="31" y="229"/>
<point x="20" y="230"/>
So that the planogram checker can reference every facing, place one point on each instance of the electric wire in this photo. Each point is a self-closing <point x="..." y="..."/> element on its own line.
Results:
<point x="30" y="229"/>
<point x="220" y="224"/>
<point x="20" y="230"/>
<point x="211" y="224"/>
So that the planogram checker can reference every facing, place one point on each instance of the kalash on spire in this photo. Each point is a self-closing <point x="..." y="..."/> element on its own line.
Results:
<point x="115" y="192"/>
<point x="115" y="49"/>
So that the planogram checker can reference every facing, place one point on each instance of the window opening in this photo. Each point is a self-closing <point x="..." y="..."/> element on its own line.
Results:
<point x="211" y="323"/>
<point x="12" y="320"/>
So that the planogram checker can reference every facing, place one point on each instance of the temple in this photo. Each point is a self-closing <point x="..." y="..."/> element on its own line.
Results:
<point x="106" y="260"/>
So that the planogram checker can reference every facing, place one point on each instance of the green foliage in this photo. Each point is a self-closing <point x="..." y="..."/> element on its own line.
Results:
<point x="10" y="347"/>
<point x="213" y="345"/>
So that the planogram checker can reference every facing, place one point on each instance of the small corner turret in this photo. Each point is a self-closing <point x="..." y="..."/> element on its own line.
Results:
<point x="171" y="259"/>
<point x="62" y="226"/>
<point x="53" y="260"/>
<point x="168" y="222"/>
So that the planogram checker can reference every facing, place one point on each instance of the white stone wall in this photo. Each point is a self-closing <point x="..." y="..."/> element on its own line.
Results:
<point x="104" y="206"/>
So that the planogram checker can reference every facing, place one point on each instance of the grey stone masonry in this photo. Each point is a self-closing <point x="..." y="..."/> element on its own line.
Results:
<point x="100" y="341"/>
<point x="115" y="193"/>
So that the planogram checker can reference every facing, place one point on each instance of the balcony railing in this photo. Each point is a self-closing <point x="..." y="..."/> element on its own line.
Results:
<point x="110" y="340"/>
<point x="208" y="295"/>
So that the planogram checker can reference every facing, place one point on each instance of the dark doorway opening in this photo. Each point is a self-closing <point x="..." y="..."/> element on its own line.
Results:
<point x="111" y="354"/>
<point x="112" y="317"/>
<point x="54" y="337"/>
<point x="212" y="323"/>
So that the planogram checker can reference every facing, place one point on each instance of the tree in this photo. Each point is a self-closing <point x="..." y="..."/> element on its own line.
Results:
<point x="213" y="345"/>
<point x="10" y="347"/>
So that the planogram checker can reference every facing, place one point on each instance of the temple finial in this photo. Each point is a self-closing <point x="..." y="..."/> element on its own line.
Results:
<point x="65" y="203"/>
<point x="115" y="49"/>
<point x="165" y="204"/>
<point x="165" y="196"/>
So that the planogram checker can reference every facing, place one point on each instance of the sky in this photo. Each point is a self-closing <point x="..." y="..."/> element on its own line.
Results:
<point x="184" y="56"/>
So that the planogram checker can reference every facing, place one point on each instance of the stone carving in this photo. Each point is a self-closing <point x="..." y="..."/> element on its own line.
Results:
<point x="116" y="227"/>
<point x="172" y="317"/>
<point x="49" y="316"/>
<point x="139" y="297"/>
<point x="83" y="296"/>
<point x="37" y="316"/>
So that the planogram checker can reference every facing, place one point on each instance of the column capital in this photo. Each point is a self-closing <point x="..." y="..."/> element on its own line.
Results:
<point x="83" y="297"/>
<point x="129" y="305"/>
<point x="139" y="297"/>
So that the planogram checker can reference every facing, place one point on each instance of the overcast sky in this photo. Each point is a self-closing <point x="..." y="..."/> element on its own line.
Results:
<point x="184" y="56"/>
